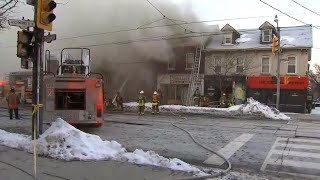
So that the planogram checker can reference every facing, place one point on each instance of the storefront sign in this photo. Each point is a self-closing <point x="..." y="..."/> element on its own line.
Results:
<point x="286" y="82"/>
<point x="179" y="79"/>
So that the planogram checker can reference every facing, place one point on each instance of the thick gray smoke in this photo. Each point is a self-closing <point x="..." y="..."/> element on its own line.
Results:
<point x="137" y="61"/>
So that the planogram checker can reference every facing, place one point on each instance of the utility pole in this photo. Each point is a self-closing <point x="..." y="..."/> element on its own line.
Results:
<point x="43" y="16"/>
<point x="278" y="65"/>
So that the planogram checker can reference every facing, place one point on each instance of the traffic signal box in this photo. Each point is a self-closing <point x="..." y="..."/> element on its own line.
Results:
<point x="45" y="15"/>
<point x="24" y="44"/>
<point x="275" y="44"/>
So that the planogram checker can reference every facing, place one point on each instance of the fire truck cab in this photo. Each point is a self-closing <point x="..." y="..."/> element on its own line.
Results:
<point x="74" y="93"/>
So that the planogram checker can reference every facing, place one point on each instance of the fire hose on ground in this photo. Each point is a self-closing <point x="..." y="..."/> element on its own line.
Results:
<point x="205" y="147"/>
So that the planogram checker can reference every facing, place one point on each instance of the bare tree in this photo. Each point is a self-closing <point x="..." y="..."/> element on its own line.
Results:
<point x="6" y="8"/>
<point x="231" y="64"/>
<point x="314" y="78"/>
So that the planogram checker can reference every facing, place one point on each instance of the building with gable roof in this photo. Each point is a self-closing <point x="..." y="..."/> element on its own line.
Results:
<point x="240" y="63"/>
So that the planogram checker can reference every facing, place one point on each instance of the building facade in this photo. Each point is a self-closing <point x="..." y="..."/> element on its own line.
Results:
<point x="242" y="63"/>
<point x="174" y="81"/>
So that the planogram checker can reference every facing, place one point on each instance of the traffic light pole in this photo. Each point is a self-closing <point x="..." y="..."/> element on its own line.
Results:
<point x="37" y="77"/>
<point x="278" y="70"/>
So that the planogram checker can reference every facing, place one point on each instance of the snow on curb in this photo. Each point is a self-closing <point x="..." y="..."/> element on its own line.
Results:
<point x="252" y="107"/>
<point x="63" y="141"/>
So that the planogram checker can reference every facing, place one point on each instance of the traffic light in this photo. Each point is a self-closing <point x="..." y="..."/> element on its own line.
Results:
<point x="24" y="47"/>
<point x="45" y="15"/>
<point x="275" y="44"/>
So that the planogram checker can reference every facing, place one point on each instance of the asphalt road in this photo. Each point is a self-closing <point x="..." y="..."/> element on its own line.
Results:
<point x="285" y="149"/>
<point x="258" y="145"/>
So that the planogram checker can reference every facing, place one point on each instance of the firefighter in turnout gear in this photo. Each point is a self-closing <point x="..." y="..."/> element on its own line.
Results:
<point x="141" y="102"/>
<point x="196" y="97"/>
<point x="13" y="103"/>
<point x="119" y="101"/>
<point x="223" y="101"/>
<point x="155" y="103"/>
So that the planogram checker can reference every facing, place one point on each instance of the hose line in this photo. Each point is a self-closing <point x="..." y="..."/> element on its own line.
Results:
<point x="205" y="147"/>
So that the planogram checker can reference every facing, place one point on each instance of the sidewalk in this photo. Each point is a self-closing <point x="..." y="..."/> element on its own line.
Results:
<point x="50" y="169"/>
<point x="304" y="117"/>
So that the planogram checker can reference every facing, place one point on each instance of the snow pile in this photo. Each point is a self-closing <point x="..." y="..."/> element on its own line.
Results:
<point x="63" y="141"/>
<point x="252" y="107"/>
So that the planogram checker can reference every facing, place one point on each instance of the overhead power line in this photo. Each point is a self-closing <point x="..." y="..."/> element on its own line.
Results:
<point x="286" y="14"/>
<point x="305" y="7"/>
<point x="164" y="16"/>
<point x="186" y="35"/>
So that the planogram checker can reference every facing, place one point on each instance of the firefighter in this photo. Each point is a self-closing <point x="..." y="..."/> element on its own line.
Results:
<point x="141" y="102"/>
<point x="223" y="101"/>
<point x="13" y="103"/>
<point x="67" y="101"/>
<point x="119" y="101"/>
<point x="196" y="97"/>
<point x="155" y="103"/>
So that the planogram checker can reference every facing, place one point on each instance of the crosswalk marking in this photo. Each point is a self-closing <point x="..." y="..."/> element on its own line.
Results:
<point x="228" y="150"/>
<point x="294" y="153"/>
<point x="301" y="140"/>
<point x="299" y="164"/>
<point x="300" y="146"/>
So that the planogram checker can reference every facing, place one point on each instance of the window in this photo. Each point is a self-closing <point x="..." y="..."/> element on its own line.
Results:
<point x="240" y="62"/>
<point x="265" y="64"/>
<point x="217" y="64"/>
<point x="171" y="64"/>
<point x="291" y="65"/>
<point x="228" y="40"/>
<point x="266" y="35"/>
<point x="189" y="60"/>
<point x="70" y="99"/>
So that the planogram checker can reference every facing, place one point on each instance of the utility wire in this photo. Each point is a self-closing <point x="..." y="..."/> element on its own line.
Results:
<point x="164" y="16"/>
<point x="286" y="14"/>
<point x="167" y="38"/>
<point x="185" y="35"/>
<point x="305" y="7"/>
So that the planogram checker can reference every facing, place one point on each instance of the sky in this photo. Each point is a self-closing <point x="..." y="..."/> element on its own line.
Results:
<point x="87" y="17"/>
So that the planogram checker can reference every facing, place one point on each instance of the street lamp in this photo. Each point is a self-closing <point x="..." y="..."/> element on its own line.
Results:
<point x="278" y="64"/>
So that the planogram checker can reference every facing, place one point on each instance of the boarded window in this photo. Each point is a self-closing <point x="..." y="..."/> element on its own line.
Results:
<point x="240" y="63"/>
<point x="291" y="65"/>
<point x="189" y="60"/>
<point x="265" y="64"/>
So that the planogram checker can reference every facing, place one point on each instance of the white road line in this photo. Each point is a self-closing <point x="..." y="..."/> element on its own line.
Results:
<point x="300" y="164"/>
<point x="228" y="150"/>
<point x="266" y="161"/>
<point x="302" y="140"/>
<point x="296" y="153"/>
<point x="300" y="146"/>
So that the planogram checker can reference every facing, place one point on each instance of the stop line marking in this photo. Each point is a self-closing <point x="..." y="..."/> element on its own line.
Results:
<point x="228" y="150"/>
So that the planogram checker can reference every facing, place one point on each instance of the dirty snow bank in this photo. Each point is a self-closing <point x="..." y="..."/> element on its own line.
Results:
<point x="63" y="141"/>
<point x="252" y="107"/>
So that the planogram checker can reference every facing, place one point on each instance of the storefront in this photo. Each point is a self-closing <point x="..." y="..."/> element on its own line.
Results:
<point x="293" y="92"/>
<point x="233" y="86"/>
<point x="175" y="87"/>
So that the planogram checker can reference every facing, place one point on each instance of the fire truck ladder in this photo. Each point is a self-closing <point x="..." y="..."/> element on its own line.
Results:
<point x="194" y="75"/>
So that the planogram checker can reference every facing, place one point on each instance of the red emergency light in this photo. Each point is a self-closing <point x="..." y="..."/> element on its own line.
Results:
<point x="99" y="110"/>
